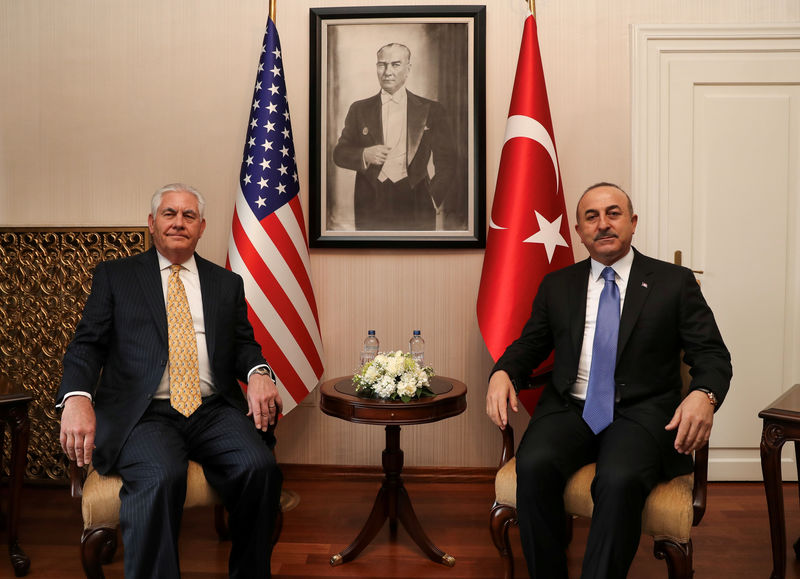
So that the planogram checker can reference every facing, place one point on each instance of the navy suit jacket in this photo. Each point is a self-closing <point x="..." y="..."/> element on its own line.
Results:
<point x="664" y="313"/>
<point x="120" y="348"/>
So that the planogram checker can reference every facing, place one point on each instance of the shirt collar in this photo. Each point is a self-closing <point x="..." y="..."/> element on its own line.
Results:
<point x="621" y="267"/>
<point x="399" y="96"/>
<point x="164" y="263"/>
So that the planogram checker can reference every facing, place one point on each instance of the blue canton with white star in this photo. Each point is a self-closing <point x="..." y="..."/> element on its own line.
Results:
<point x="269" y="174"/>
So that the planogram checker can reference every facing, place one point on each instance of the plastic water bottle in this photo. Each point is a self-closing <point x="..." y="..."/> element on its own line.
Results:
<point x="370" y="348"/>
<point x="416" y="346"/>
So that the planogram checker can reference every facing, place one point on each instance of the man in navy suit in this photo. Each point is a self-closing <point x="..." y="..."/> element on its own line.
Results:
<point x="401" y="148"/>
<point x="651" y="432"/>
<point x="115" y="395"/>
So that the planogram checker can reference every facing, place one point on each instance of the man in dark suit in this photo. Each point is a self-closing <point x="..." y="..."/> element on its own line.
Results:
<point x="401" y="148"/>
<point x="150" y="381"/>
<point x="648" y="432"/>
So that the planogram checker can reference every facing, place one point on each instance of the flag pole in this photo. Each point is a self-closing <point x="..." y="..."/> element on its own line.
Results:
<point x="272" y="14"/>
<point x="531" y="5"/>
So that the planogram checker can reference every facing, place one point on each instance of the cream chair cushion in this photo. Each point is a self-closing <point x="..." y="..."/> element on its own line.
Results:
<point x="667" y="514"/>
<point x="100" y="503"/>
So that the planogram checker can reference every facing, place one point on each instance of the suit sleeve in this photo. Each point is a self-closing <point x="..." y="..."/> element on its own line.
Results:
<point x="86" y="353"/>
<point x="704" y="349"/>
<point x="247" y="351"/>
<point x="534" y="344"/>
<point x="348" y="153"/>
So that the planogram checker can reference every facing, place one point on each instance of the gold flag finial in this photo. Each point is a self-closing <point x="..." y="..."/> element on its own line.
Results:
<point x="272" y="10"/>
<point x="531" y="5"/>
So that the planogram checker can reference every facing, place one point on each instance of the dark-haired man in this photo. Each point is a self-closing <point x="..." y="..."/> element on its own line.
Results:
<point x="617" y="323"/>
<point x="401" y="148"/>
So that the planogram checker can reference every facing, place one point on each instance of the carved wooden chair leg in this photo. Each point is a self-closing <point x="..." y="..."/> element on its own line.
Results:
<point x="221" y="523"/>
<point x="678" y="557"/>
<point x="568" y="529"/>
<point x="501" y="519"/>
<point x="97" y="549"/>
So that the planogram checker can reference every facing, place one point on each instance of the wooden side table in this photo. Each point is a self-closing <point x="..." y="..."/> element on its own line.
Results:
<point x="14" y="412"/>
<point x="781" y="424"/>
<point x="338" y="398"/>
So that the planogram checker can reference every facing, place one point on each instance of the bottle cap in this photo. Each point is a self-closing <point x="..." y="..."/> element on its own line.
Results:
<point x="371" y="332"/>
<point x="416" y="332"/>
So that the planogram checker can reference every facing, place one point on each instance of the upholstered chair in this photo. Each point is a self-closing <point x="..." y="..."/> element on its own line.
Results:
<point x="671" y="510"/>
<point x="100" y="506"/>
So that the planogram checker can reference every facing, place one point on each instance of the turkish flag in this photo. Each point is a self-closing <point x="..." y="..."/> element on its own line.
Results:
<point x="529" y="229"/>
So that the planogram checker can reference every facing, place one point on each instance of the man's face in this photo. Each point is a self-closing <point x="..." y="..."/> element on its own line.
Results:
<point x="177" y="226"/>
<point x="605" y="224"/>
<point x="393" y="68"/>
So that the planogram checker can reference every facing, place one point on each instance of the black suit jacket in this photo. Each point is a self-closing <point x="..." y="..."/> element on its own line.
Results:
<point x="120" y="347"/>
<point x="664" y="313"/>
<point x="428" y="137"/>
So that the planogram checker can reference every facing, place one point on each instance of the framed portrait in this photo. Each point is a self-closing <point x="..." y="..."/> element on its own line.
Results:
<point x="398" y="127"/>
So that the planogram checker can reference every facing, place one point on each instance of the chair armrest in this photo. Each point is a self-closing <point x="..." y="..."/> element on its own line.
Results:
<point x="77" y="476"/>
<point x="508" y="445"/>
<point x="700" y="490"/>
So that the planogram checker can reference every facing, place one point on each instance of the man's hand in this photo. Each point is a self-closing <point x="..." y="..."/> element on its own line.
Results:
<point x="376" y="154"/>
<point x="78" y="426"/>
<point x="693" y="419"/>
<point x="500" y="396"/>
<point x="263" y="401"/>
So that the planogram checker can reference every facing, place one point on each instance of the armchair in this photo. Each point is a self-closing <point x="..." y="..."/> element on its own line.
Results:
<point x="100" y="506"/>
<point x="672" y="509"/>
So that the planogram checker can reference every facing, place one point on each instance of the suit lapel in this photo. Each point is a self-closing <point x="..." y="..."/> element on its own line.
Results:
<point x="209" y="291"/>
<point x="577" y="289"/>
<point x="373" y="122"/>
<point x="150" y="279"/>
<point x="636" y="294"/>
<point x="416" y="122"/>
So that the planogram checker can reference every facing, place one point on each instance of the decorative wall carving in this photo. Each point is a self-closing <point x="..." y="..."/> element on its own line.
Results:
<point x="45" y="277"/>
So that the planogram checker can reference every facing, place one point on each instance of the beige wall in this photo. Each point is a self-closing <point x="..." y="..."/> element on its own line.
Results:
<point x="102" y="102"/>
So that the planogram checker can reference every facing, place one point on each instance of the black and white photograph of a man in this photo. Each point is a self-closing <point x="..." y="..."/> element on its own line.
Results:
<point x="398" y="134"/>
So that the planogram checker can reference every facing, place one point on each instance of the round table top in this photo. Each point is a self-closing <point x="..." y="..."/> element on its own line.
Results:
<point x="12" y="393"/>
<point x="338" y="398"/>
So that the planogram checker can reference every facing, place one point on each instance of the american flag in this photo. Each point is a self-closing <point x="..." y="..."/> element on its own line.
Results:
<point x="268" y="245"/>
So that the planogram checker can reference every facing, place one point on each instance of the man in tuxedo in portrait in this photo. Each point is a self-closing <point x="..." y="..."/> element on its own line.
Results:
<point x="401" y="147"/>
<point x="617" y="323"/>
<point x="151" y="380"/>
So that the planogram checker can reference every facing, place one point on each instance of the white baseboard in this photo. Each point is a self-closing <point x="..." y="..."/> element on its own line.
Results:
<point x="744" y="464"/>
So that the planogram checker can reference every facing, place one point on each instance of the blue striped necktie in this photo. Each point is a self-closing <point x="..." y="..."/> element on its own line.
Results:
<point x="598" y="412"/>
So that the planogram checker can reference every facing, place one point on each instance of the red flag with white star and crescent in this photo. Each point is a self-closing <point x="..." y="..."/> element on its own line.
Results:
<point x="528" y="229"/>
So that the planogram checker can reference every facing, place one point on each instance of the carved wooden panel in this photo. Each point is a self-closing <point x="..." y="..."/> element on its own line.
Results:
<point x="45" y="277"/>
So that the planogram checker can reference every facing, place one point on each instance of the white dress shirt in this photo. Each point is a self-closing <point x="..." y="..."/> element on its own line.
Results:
<point x="394" y="117"/>
<point x="622" y="272"/>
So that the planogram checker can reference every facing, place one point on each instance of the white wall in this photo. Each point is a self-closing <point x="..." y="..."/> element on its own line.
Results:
<point x="103" y="102"/>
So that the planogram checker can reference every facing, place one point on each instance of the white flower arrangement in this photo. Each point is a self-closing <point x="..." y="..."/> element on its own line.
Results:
<point x="394" y="376"/>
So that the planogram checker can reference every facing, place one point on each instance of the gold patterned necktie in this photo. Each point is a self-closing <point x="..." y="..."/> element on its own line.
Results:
<point x="184" y="372"/>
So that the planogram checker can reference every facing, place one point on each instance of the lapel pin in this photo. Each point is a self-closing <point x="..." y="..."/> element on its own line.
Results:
<point x="644" y="284"/>
<point x="364" y="131"/>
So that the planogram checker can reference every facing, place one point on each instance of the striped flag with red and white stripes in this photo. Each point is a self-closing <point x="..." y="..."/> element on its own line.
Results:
<point x="268" y="245"/>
